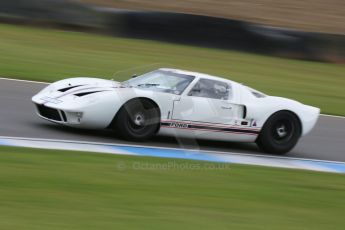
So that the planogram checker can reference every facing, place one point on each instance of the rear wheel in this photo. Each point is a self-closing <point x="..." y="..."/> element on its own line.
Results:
<point x="280" y="133"/>
<point x="137" y="120"/>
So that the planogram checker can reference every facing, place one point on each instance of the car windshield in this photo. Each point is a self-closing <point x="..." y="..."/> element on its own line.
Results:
<point x="161" y="81"/>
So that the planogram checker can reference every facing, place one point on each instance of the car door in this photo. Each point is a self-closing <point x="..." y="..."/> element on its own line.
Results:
<point x="209" y="101"/>
<point x="209" y="110"/>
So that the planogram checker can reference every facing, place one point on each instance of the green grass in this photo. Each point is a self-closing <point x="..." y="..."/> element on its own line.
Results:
<point x="48" y="55"/>
<point x="46" y="189"/>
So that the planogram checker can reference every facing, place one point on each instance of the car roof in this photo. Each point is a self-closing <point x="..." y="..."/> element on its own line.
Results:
<point x="196" y="74"/>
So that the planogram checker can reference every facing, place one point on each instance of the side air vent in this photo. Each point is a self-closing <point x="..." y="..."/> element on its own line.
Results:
<point x="63" y="114"/>
<point x="244" y="112"/>
<point x="86" y="93"/>
<point x="68" y="88"/>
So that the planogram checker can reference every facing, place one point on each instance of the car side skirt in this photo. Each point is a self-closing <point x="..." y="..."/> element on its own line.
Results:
<point x="209" y="131"/>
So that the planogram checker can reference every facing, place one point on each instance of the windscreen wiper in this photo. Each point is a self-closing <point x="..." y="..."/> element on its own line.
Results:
<point x="148" y="84"/>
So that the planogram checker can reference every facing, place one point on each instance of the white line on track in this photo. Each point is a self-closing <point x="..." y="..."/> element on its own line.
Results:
<point x="334" y="116"/>
<point x="11" y="79"/>
<point x="167" y="148"/>
<point x="40" y="82"/>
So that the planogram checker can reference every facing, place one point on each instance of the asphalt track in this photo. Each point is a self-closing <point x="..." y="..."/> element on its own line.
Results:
<point x="18" y="119"/>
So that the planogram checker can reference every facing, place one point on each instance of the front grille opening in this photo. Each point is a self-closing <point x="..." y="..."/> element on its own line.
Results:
<point x="50" y="113"/>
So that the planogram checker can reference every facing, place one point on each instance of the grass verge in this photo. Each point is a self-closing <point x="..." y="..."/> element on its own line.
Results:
<point x="49" y="55"/>
<point x="47" y="189"/>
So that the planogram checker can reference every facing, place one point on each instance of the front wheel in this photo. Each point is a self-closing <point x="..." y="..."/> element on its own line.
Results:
<point x="137" y="120"/>
<point x="280" y="133"/>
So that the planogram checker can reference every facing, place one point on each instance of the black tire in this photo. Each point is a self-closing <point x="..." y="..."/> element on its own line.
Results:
<point x="137" y="120"/>
<point x="280" y="133"/>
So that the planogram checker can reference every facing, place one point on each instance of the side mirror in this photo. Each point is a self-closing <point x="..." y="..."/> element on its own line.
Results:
<point x="195" y="90"/>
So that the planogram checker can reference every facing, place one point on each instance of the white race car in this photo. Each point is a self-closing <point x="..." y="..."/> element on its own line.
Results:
<point x="178" y="103"/>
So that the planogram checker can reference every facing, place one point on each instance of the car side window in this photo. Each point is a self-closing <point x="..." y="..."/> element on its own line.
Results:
<point x="211" y="89"/>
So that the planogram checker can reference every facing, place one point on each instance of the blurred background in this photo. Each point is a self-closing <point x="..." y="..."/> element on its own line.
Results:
<point x="310" y="29"/>
<point x="288" y="48"/>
